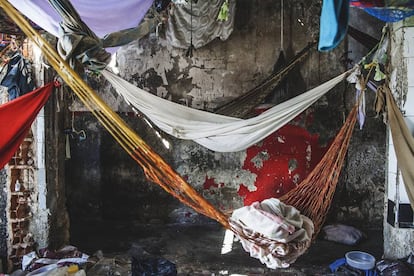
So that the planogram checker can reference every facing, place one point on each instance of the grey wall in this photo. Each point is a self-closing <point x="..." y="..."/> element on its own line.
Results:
<point x="104" y="183"/>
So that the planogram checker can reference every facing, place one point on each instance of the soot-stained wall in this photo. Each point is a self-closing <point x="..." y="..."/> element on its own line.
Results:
<point x="104" y="182"/>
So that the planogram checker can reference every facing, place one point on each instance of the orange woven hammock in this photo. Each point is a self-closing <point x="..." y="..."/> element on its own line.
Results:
<point x="313" y="196"/>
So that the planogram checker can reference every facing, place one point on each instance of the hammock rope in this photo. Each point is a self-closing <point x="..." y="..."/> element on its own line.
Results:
<point x="155" y="168"/>
<point x="241" y="106"/>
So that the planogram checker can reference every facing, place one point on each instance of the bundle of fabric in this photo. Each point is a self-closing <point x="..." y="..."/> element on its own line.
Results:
<point x="89" y="33"/>
<point x="82" y="47"/>
<point x="273" y="232"/>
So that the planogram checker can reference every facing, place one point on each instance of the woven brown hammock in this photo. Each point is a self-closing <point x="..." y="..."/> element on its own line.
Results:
<point x="312" y="197"/>
<point x="241" y="106"/>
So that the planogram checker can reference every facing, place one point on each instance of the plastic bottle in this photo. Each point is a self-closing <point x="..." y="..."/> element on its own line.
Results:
<point x="17" y="186"/>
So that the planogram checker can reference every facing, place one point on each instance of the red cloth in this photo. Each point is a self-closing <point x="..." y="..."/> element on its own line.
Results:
<point x="367" y="3"/>
<point x="16" y="117"/>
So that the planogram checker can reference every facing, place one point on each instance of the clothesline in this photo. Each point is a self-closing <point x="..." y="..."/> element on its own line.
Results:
<point x="213" y="131"/>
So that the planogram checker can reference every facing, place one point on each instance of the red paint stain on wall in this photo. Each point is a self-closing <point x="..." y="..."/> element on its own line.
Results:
<point x="280" y="162"/>
<point x="209" y="183"/>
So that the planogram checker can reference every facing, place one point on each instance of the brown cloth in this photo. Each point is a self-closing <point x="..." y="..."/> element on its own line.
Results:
<point x="402" y="138"/>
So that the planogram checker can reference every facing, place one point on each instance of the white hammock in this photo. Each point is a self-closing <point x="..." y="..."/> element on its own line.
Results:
<point x="213" y="131"/>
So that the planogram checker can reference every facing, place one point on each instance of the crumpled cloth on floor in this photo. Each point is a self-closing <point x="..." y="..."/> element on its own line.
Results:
<point x="273" y="232"/>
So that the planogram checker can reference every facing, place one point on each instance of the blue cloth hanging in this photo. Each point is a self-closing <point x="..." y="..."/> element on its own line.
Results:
<point x="18" y="79"/>
<point x="333" y="24"/>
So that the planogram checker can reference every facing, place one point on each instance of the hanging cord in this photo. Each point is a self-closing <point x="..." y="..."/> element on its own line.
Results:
<point x="281" y="24"/>
<point x="191" y="48"/>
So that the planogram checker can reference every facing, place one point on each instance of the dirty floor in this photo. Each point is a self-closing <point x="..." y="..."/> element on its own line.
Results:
<point x="196" y="249"/>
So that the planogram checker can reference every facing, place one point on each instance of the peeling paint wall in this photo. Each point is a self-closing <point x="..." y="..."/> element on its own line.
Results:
<point x="103" y="181"/>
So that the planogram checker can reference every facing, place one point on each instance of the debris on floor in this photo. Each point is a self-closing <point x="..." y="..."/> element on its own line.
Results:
<point x="341" y="233"/>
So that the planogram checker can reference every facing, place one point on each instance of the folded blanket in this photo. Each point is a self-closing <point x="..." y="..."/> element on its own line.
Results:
<point x="273" y="232"/>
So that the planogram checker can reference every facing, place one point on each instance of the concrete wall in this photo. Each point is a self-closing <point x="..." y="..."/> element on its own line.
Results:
<point x="103" y="182"/>
<point x="399" y="233"/>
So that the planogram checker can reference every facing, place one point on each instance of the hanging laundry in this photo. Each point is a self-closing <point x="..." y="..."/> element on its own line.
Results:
<point x="203" y="25"/>
<point x="333" y="24"/>
<point x="103" y="17"/>
<point x="17" y="79"/>
<point x="16" y="118"/>
<point x="402" y="137"/>
<point x="224" y="11"/>
<point x="81" y="47"/>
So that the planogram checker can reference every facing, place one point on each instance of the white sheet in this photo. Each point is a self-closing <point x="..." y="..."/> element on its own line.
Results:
<point x="216" y="132"/>
<point x="102" y="16"/>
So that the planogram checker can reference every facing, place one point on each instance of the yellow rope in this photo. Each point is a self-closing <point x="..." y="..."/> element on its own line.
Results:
<point x="155" y="168"/>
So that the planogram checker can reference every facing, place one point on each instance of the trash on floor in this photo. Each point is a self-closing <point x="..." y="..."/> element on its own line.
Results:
<point x="145" y="264"/>
<point x="66" y="256"/>
<point x="341" y="233"/>
<point x="394" y="267"/>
